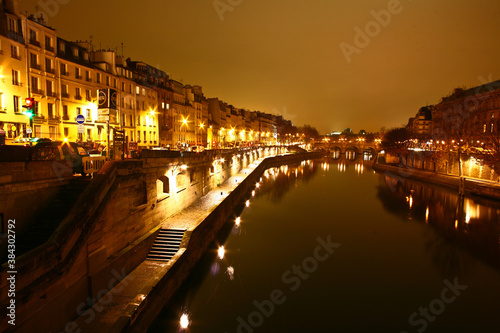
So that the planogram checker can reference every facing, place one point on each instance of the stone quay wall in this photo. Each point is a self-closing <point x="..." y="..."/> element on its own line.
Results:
<point x="110" y="230"/>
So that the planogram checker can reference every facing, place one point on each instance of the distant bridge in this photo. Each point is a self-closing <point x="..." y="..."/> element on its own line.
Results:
<point x="351" y="149"/>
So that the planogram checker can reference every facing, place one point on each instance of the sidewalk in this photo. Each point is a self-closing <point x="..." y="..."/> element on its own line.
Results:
<point x="119" y="306"/>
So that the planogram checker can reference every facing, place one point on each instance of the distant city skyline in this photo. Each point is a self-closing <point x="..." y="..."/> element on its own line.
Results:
<point x="364" y="65"/>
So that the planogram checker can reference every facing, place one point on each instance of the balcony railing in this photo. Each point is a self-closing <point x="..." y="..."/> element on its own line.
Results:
<point x="78" y="97"/>
<point x="65" y="117"/>
<point x="16" y="56"/>
<point x="17" y="83"/>
<point x="64" y="72"/>
<point x="35" y="66"/>
<point x="34" y="42"/>
<point x="49" y="48"/>
<point x="51" y="94"/>
<point x="37" y="91"/>
<point x="50" y="70"/>
<point x="65" y="94"/>
<point x="78" y="76"/>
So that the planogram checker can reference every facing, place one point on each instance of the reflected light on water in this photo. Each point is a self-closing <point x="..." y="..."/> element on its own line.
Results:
<point x="220" y="252"/>
<point x="230" y="272"/>
<point x="247" y="203"/>
<point x="237" y="221"/>
<point x="409" y="199"/>
<point x="427" y="215"/>
<point x="184" y="322"/>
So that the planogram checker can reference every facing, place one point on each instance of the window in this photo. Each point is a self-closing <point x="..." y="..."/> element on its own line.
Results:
<point x="50" y="110"/>
<point x="123" y="86"/>
<point x="131" y="121"/>
<point x="34" y="83"/>
<point x="492" y="127"/>
<point x="138" y="120"/>
<point x="34" y="61"/>
<point x="76" y="53"/>
<point x="98" y="77"/>
<point x="114" y="83"/>
<point x="89" y="115"/>
<point x="17" y="104"/>
<point x="78" y="110"/>
<point x="484" y="128"/>
<point x="48" y="44"/>
<point x="48" y="66"/>
<point x="87" y="95"/>
<point x="15" y="78"/>
<point x="137" y="90"/>
<point x="65" y="112"/>
<point x="14" y="51"/>
<point x="89" y="134"/>
<point x="78" y="74"/>
<point x="33" y="39"/>
<point x="49" y="85"/>
<point x="139" y="136"/>
<point x="78" y="93"/>
<point x="64" y="90"/>
<point x="66" y="132"/>
<point x="107" y="80"/>
<point x="143" y="92"/>
<point x="12" y="25"/>
<point x="62" y="47"/>
<point x="87" y="76"/>
<point x="64" y="69"/>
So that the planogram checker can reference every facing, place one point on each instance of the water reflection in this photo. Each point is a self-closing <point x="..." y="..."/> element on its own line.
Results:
<point x="470" y="223"/>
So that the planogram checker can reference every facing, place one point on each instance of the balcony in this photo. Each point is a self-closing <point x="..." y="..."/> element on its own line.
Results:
<point x="88" y="79"/>
<point x="37" y="91"/>
<point x="50" y="70"/>
<point x="78" y="76"/>
<point x="38" y="118"/>
<point x="78" y="97"/>
<point x="51" y="94"/>
<point x="16" y="56"/>
<point x="17" y="83"/>
<point x="64" y="72"/>
<point x="49" y="48"/>
<point x="34" y="42"/>
<point x="65" y="117"/>
<point x="65" y="95"/>
<point x="36" y="66"/>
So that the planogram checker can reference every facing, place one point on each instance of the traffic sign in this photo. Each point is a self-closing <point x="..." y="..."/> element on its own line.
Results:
<point x="80" y="119"/>
<point x="28" y="130"/>
<point x="81" y="129"/>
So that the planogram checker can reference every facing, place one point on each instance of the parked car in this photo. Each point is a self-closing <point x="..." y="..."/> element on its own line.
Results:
<point x="71" y="152"/>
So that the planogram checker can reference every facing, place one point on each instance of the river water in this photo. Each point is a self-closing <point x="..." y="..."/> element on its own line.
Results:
<point x="330" y="246"/>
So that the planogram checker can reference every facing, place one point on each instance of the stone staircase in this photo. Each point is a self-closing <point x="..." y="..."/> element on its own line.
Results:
<point x="166" y="244"/>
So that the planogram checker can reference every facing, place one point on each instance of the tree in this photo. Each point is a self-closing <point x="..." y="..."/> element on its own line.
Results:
<point x="395" y="141"/>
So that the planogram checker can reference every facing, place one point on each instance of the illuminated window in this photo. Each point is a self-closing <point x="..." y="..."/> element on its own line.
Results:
<point x="78" y="110"/>
<point x="137" y="90"/>
<point x="484" y="128"/>
<point x="492" y="127"/>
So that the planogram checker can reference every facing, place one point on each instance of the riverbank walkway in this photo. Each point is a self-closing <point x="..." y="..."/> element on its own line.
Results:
<point x="114" y="311"/>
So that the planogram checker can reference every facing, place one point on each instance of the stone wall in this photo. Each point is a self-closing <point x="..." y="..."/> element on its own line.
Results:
<point x="109" y="231"/>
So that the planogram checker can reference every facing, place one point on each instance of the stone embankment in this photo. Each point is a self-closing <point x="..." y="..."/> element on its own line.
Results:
<point x="485" y="188"/>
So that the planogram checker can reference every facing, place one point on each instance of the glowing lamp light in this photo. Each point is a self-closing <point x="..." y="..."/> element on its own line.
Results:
<point x="237" y="221"/>
<point x="65" y="140"/>
<point x="247" y="203"/>
<point x="184" y="322"/>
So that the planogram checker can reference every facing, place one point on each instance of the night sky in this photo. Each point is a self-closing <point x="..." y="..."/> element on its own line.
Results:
<point x="286" y="56"/>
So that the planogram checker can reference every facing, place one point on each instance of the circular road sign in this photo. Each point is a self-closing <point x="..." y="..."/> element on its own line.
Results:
<point x="80" y="119"/>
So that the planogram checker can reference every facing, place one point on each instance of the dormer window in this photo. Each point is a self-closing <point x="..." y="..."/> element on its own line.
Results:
<point x="76" y="54"/>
